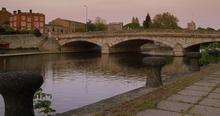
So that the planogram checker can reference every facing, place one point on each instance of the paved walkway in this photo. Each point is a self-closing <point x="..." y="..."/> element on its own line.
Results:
<point x="200" y="99"/>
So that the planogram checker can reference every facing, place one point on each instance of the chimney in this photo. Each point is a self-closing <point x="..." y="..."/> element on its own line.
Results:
<point x="4" y="9"/>
<point x="30" y="11"/>
<point x="19" y="11"/>
<point x="14" y="12"/>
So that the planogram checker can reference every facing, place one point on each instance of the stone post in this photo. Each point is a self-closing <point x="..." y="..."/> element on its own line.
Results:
<point x="194" y="60"/>
<point x="155" y="65"/>
<point x="18" y="89"/>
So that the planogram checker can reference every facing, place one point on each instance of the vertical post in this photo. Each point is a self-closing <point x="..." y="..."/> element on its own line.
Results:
<point x="86" y="17"/>
<point x="17" y="89"/>
<point x="155" y="65"/>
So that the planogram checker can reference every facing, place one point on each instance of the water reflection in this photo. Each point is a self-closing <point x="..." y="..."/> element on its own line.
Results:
<point x="76" y="80"/>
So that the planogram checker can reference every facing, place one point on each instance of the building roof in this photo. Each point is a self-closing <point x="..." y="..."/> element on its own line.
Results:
<point x="27" y="13"/>
<point x="67" y="20"/>
<point x="4" y="11"/>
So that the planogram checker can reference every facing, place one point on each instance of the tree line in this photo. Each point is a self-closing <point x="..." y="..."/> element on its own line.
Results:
<point x="164" y="20"/>
<point x="7" y="30"/>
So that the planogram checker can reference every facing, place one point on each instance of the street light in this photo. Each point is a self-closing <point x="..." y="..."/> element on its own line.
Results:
<point x="86" y="16"/>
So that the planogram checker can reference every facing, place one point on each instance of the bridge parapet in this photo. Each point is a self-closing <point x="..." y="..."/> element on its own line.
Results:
<point x="148" y="34"/>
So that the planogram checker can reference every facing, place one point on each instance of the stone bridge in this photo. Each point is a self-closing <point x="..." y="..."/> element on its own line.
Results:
<point x="132" y="42"/>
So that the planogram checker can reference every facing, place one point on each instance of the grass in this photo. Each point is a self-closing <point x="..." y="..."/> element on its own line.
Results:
<point x="151" y="100"/>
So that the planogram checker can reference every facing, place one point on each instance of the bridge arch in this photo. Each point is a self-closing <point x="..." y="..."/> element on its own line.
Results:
<point x="195" y="45"/>
<point x="134" y="44"/>
<point x="80" y="45"/>
<point x="152" y="39"/>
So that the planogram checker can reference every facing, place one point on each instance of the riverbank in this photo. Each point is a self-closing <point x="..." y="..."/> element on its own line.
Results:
<point x="30" y="53"/>
<point x="143" y="98"/>
<point x="199" y="99"/>
<point x="151" y="100"/>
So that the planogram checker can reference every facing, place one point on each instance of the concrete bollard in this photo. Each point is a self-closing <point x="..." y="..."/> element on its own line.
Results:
<point x="155" y="65"/>
<point x="18" y="89"/>
<point x="194" y="60"/>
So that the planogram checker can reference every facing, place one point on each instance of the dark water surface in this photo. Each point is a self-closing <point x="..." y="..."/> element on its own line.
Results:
<point x="76" y="80"/>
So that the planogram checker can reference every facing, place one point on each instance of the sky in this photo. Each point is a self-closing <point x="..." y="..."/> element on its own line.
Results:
<point x="206" y="13"/>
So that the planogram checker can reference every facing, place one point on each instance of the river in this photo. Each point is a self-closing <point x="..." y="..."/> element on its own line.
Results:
<point x="76" y="80"/>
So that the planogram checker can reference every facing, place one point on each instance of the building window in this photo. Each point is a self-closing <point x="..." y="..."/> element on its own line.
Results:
<point x="36" y="25"/>
<point x="15" y="24"/>
<point x="41" y="18"/>
<point x="11" y="19"/>
<point x="23" y="28"/>
<point x="29" y="25"/>
<point x="35" y="18"/>
<point x="15" y="18"/>
<point x="23" y="24"/>
<point x="41" y="24"/>
<point x="29" y="19"/>
<point x="23" y="17"/>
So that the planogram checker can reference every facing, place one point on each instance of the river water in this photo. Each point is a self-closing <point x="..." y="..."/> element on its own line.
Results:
<point x="76" y="80"/>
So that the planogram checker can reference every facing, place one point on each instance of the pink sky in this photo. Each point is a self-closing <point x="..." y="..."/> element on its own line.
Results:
<point x="203" y="12"/>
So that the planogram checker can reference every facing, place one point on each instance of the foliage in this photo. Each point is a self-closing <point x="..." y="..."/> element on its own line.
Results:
<point x="6" y="29"/>
<point x="91" y="26"/>
<point x="37" y="32"/>
<point x="100" y="24"/>
<point x="200" y="29"/>
<point x="42" y="102"/>
<point x="209" y="29"/>
<point x="133" y="25"/>
<point x="165" y="21"/>
<point x="147" y="22"/>
<point x="207" y="53"/>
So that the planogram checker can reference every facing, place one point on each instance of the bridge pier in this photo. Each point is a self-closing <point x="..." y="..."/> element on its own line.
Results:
<point x="178" y="53"/>
<point x="178" y="50"/>
<point x="105" y="49"/>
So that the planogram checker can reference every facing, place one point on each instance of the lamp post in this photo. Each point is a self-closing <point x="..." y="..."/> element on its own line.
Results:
<point x="86" y="16"/>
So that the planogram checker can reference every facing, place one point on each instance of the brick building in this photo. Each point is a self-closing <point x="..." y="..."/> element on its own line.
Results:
<point x="27" y="21"/>
<point x="4" y="16"/>
<point x="62" y="26"/>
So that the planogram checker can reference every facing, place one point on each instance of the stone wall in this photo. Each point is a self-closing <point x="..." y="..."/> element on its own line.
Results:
<point x="21" y="41"/>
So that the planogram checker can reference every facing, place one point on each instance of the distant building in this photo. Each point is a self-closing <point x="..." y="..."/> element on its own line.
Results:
<point x="55" y="29"/>
<point x="4" y="16"/>
<point x="191" y="26"/>
<point x="115" y="26"/>
<point x="62" y="26"/>
<point x="27" y="21"/>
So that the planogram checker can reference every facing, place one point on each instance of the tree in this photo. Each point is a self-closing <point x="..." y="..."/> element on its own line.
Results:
<point x="37" y="32"/>
<point x="6" y="29"/>
<point x="100" y="24"/>
<point x="91" y="26"/>
<point x="133" y="25"/>
<point x="165" y="21"/>
<point x="147" y="22"/>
